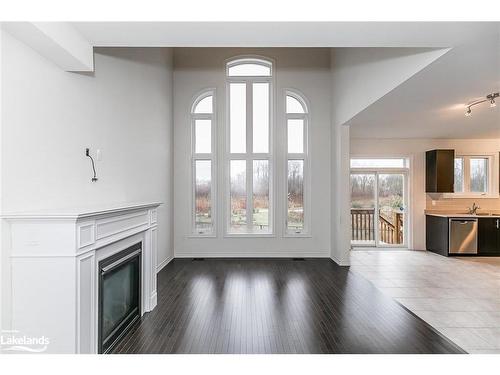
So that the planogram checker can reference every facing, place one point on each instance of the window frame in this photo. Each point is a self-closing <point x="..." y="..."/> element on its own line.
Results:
<point x="405" y="160"/>
<point x="212" y="157"/>
<point x="492" y="176"/>
<point x="249" y="155"/>
<point x="305" y="156"/>
<point x="250" y="59"/>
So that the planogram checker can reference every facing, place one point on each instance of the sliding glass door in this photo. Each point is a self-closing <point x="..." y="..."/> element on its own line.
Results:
<point x="378" y="208"/>
<point x="363" y="204"/>
<point x="391" y="204"/>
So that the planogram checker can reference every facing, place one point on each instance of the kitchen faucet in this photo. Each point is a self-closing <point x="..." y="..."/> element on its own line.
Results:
<point x="473" y="209"/>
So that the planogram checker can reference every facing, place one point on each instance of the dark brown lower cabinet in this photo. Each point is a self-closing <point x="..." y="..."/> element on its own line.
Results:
<point x="488" y="236"/>
<point x="437" y="235"/>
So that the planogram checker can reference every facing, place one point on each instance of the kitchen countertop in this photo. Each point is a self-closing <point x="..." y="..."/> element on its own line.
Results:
<point x="458" y="215"/>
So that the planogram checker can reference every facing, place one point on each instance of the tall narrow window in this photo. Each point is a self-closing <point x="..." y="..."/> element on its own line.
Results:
<point x="249" y="157"/>
<point x="203" y="162"/>
<point x="297" y="164"/>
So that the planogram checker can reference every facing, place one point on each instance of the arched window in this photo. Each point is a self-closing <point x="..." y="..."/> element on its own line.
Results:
<point x="248" y="152"/>
<point x="297" y="161"/>
<point x="203" y="162"/>
<point x="249" y="67"/>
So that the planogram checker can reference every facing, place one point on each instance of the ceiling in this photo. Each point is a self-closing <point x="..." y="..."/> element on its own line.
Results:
<point x="428" y="105"/>
<point x="283" y="34"/>
<point x="431" y="104"/>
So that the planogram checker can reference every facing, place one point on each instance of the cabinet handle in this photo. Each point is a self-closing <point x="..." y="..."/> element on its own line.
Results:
<point x="498" y="226"/>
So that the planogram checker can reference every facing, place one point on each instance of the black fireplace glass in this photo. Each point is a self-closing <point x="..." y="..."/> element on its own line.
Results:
<point x="120" y="296"/>
<point x="119" y="288"/>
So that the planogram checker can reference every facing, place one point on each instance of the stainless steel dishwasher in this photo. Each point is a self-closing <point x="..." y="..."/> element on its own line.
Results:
<point x="463" y="236"/>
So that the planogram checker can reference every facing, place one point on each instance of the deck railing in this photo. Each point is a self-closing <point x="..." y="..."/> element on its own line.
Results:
<point x="363" y="226"/>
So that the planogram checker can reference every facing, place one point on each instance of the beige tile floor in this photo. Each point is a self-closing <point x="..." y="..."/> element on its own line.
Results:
<point x="458" y="296"/>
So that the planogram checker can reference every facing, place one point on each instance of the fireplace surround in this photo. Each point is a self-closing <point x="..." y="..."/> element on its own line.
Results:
<point x="56" y="262"/>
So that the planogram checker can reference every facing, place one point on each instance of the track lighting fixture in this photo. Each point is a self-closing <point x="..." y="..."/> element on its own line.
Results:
<point x="489" y="98"/>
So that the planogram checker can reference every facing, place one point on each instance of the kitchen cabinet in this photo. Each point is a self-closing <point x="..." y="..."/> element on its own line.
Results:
<point x="438" y="234"/>
<point x="439" y="171"/>
<point x="489" y="236"/>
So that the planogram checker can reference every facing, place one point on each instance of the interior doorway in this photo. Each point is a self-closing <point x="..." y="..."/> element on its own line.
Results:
<point x="379" y="196"/>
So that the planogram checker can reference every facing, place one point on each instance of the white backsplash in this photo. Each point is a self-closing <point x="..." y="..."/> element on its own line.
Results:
<point x="457" y="205"/>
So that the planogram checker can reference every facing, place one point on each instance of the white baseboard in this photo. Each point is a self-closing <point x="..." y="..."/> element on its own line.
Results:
<point x="153" y="301"/>
<point x="340" y="262"/>
<point x="295" y="254"/>
<point x="162" y="264"/>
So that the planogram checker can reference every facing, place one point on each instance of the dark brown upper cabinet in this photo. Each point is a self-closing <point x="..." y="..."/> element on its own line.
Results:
<point x="439" y="171"/>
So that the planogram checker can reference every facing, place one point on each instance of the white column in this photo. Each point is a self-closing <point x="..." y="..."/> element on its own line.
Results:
<point x="2" y="248"/>
<point x="340" y="237"/>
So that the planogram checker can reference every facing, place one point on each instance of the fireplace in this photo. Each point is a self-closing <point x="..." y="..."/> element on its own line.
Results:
<point x="119" y="296"/>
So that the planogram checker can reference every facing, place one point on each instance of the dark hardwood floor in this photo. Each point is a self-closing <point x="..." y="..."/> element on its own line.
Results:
<point x="275" y="306"/>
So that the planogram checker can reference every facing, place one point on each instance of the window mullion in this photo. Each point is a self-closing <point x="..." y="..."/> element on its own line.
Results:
<point x="296" y="156"/>
<point x="203" y="156"/>
<point x="466" y="161"/>
<point x="295" y="116"/>
<point x="249" y="107"/>
<point x="249" y="212"/>
<point x="304" y="136"/>
<point x="260" y="156"/>
<point x="202" y="116"/>
<point x="249" y="110"/>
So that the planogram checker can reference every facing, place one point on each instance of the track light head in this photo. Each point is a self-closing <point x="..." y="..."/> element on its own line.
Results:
<point x="468" y="113"/>
<point x="493" y="104"/>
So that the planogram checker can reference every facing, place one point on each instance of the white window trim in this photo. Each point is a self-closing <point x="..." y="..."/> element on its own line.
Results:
<point x="405" y="158"/>
<point x="204" y="156"/>
<point x="249" y="155"/>
<point x="493" y="166"/>
<point x="306" y="232"/>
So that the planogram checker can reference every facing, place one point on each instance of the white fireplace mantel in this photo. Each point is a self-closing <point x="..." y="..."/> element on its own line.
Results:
<point x="54" y="260"/>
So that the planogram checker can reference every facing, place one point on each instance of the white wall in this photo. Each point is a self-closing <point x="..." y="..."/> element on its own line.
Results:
<point x="361" y="76"/>
<point x="59" y="42"/>
<point x="49" y="116"/>
<point x="415" y="150"/>
<point x="307" y="70"/>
